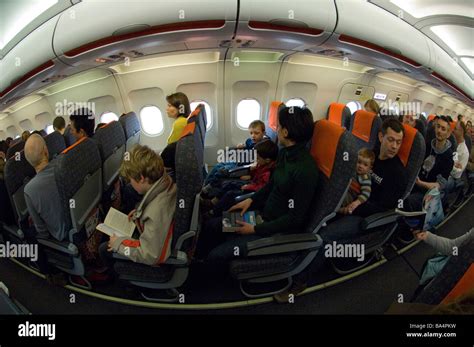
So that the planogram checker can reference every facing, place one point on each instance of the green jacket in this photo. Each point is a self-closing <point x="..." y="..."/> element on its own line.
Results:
<point x="286" y="198"/>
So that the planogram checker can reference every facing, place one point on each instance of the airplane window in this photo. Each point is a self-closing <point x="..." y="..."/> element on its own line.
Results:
<point x="295" y="102"/>
<point x="248" y="110"/>
<point x="17" y="136"/>
<point x="108" y="117"/>
<point x="49" y="129"/>
<point x="208" y="111"/>
<point x="151" y="120"/>
<point x="354" y="106"/>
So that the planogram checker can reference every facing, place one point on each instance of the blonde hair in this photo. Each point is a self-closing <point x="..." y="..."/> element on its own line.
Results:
<point x="142" y="161"/>
<point x="373" y="105"/>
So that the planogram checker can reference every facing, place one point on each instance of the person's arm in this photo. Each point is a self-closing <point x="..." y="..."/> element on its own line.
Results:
<point x="258" y="182"/>
<point x="427" y="185"/>
<point x="40" y="225"/>
<point x="444" y="245"/>
<point x="303" y="192"/>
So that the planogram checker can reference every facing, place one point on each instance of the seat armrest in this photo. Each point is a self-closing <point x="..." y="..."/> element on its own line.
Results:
<point x="379" y="219"/>
<point x="239" y="171"/>
<point x="284" y="244"/>
<point x="178" y="258"/>
<point x="64" y="247"/>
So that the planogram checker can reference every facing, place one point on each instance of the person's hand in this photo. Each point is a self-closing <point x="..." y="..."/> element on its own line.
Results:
<point x="353" y="205"/>
<point x="420" y="235"/>
<point x="244" y="187"/>
<point x="418" y="181"/>
<point x="245" y="229"/>
<point x="130" y="215"/>
<point x="113" y="238"/>
<point x="245" y="177"/>
<point x="458" y="165"/>
<point x="240" y="146"/>
<point x="243" y="205"/>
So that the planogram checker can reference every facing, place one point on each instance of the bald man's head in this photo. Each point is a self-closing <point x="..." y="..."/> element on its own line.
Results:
<point x="36" y="151"/>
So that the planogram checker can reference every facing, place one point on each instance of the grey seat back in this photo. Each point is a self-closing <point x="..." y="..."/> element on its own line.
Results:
<point x="334" y="150"/>
<point x="68" y="137"/>
<point x="55" y="143"/>
<point x="78" y="176"/>
<point x="189" y="177"/>
<point x="365" y="127"/>
<point x="131" y="128"/>
<point x="111" y="142"/>
<point x="339" y="114"/>
<point x="201" y="119"/>
<point x="16" y="148"/>
<point x="17" y="174"/>
<point x="411" y="154"/>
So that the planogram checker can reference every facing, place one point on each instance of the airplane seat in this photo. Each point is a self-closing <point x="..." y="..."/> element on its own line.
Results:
<point x="8" y="305"/>
<point x="78" y="175"/>
<point x="131" y="128"/>
<point x="16" y="148"/>
<point x="339" y="114"/>
<point x="7" y="217"/>
<point x="200" y="116"/>
<point x="379" y="228"/>
<point x="17" y="174"/>
<point x="55" y="143"/>
<point x="421" y="127"/>
<point x="272" y="121"/>
<point x="365" y="127"/>
<point x="430" y="118"/>
<point x="189" y="179"/>
<point x="454" y="280"/>
<point x="68" y="137"/>
<point x="280" y="257"/>
<point x="43" y="133"/>
<point x="111" y="142"/>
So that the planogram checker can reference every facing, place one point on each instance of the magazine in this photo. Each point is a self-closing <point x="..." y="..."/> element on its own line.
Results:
<point x="431" y="214"/>
<point x="229" y="220"/>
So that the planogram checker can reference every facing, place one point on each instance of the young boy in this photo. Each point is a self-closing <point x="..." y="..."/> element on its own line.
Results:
<point x="360" y="190"/>
<point x="257" y="134"/>
<point x="154" y="215"/>
<point x="267" y="153"/>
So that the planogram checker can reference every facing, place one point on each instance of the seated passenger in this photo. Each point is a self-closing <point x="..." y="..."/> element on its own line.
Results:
<point x="284" y="200"/>
<point x="41" y="193"/>
<point x="59" y="125"/>
<point x="257" y="134"/>
<point x="389" y="182"/>
<point x="372" y="106"/>
<point x="25" y="135"/>
<point x="461" y="158"/>
<point x="361" y="188"/>
<point x="409" y="120"/>
<point x="100" y="125"/>
<point x="8" y="141"/>
<point x="437" y="166"/>
<point x="224" y="196"/>
<point x="82" y="123"/>
<point x="153" y="216"/>
<point x="178" y="109"/>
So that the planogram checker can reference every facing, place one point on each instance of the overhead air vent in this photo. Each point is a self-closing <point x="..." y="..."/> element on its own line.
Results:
<point x="225" y="44"/>
<point x="399" y="70"/>
<point x="53" y="78"/>
<point x="332" y="53"/>
<point x="247" y="44"/>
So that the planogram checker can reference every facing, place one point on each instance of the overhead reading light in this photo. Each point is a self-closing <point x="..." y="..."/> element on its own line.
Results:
<point x="16" y="15"/>
<point x="456" y="37"/>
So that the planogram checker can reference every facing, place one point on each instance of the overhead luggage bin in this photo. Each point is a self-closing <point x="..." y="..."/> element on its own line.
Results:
<point x="99" y="32"/>
<point x="295" y="25"/>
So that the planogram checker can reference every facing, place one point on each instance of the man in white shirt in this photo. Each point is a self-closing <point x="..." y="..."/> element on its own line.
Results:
<point x="461" y="158"/>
